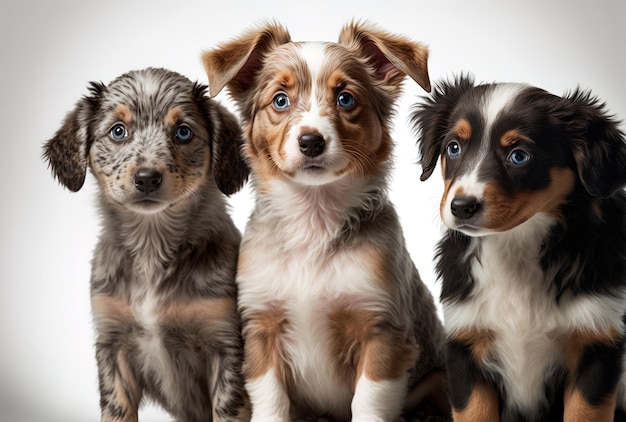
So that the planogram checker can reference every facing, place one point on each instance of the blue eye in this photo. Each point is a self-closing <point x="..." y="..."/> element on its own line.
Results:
<point x="345" y="100"/>
<point x="183" y="133"/>
<point x="454" y="149"/>
<point x="118" y="132"/>
<point x="518" y="157"/>
<point x="281" y="101"/>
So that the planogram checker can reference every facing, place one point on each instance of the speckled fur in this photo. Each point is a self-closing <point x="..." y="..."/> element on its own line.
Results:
<point x="162" y="282"/>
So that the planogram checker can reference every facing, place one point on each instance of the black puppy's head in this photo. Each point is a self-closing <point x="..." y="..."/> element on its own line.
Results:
<point x="512" y="151"/>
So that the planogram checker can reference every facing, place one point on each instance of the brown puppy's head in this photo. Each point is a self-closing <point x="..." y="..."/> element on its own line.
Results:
<point x="151" y="137"/>
<point x="315" y="112"/>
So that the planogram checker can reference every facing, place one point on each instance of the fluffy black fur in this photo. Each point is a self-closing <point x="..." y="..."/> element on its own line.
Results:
<point x="583" y="254"/>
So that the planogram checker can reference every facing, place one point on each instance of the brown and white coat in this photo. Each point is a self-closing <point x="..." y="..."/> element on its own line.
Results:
<point x="336" y="320"/>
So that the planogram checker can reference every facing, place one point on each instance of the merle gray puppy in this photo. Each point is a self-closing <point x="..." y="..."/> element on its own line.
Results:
<point x="162" y="284"/>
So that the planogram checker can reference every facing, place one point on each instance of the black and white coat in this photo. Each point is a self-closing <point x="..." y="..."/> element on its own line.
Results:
<point x="533" y="259"/>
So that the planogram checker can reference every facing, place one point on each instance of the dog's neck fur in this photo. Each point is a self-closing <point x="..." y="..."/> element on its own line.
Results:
<point x="321" y="216"/>
<point x="154" y="239"/>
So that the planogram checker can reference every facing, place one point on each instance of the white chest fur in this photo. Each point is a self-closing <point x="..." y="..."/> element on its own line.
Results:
<point x="306" y="285"/>
<point x="512" y="297"/>
<point x="154" y="358"/>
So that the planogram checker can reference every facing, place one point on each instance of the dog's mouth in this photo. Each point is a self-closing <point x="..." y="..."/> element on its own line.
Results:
<point x="146" y="204"/>
<point x="313" y="168"/>
<point x="470" y="230"/>
<point x="473" y="227"/>
<point x="317" y="165"/>
<point x="147" y="201"/>
<point x="313" y="175"/>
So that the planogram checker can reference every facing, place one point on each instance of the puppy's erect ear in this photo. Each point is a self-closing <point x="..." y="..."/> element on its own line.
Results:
<point x="66" y="153"/>
<point x="236" y="63"/>
<point x="431" y="120"/>
<point x="229" y="167"/>
<point x="392" y="56"/>
<point x="598" y="143"/>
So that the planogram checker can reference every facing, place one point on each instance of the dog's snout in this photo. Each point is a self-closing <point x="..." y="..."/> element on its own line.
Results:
<point x="147" y="180"/>
<point x="464" y="207"/>
<point x="311" y="144"/>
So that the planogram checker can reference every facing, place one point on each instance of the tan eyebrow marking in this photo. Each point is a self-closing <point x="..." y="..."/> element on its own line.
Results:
<point x="463" y="130"/>
<point x="124" y="113"/>
<point x="173" y="116"/>
<point x="511" y="137"/>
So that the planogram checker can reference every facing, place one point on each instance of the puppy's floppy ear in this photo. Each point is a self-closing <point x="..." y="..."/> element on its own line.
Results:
<point x="599" y="145"/>
<point x="229" y="167"/>
<point x="66" y="153"/>
<point x="431" y="120"/>
<point x="236" y="63"/>
<point x="392" y="56"/>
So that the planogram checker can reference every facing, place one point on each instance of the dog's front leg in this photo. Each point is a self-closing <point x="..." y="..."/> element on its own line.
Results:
<point x="227" y="391"/>
<point x="265" y="370"/>
<point x="120" y="393"/>
<point x="473" y="397"/>
<point x="595" y="366"/>
<point x="382" y="374"/>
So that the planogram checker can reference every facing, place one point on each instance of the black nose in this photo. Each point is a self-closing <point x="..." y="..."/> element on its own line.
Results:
<point x="311" y="144"/>
<point x="464" y="207"/>
<point x="147" y="180"/>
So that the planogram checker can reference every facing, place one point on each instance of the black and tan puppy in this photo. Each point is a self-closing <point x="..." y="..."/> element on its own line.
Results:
<point x="163" y="274"/>
<point x="533" y="262"/>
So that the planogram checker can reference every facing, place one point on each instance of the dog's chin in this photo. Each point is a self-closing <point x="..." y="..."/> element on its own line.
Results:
<point x="314" y="176"/>
<point x="470" y="230"/>
<point x="476" y="230"/>
<point x="147" y="206"/>
<point x="467" y="227"/>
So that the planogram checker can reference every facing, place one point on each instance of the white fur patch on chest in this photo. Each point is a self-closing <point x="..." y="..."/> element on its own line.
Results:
<point x="154" y="358"/>
<point x="512" y="298"/>
<point x="305" y="285"/>
<point x="301" y="272"/>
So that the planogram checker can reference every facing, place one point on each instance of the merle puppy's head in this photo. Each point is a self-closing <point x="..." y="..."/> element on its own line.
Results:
<point x="150" y="137"/>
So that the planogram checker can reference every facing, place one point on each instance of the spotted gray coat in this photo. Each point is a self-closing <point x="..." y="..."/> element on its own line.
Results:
<point x="162" y="282"/>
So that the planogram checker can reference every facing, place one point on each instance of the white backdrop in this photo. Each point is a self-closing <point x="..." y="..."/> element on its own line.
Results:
<point x="50" y="50"/>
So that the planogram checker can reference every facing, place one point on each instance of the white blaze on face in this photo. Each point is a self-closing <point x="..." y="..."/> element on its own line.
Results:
<point x="314" y="119"/>
<point x="466" y="185"/>
<point x="497" y="100"/>
<point x="469" y="185"/>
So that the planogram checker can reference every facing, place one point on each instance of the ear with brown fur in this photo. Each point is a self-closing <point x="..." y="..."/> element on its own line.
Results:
<point x="598" y="143"/>
<point x="392" y="56"/>
<point x="229" y="167"/>
<point x="236" y="63"/>
<point x="431" y="120"/>
<point x="66" y="153"/>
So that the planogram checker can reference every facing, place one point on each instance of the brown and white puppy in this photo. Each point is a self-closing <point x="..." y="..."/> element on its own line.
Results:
<point x="163" y="288"/>
<point x="533" y="262"/>
<point x="336" y="320"/>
